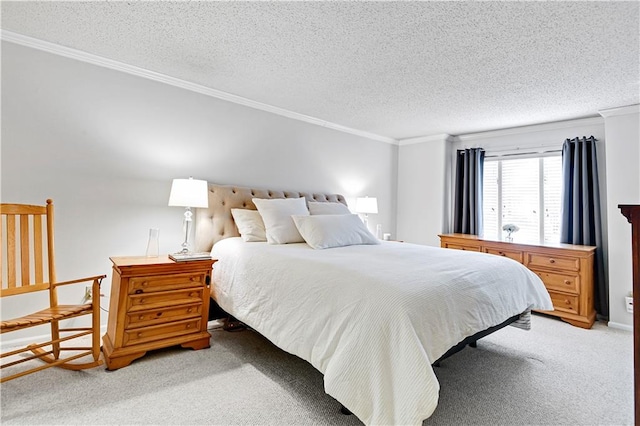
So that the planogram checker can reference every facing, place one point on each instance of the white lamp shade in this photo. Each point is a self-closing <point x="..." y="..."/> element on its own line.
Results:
<point x="366" y="205"/>
<point x="189" y="193"/>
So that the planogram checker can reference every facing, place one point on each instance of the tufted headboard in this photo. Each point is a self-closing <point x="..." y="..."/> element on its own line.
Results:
<point x="215" y="223"/>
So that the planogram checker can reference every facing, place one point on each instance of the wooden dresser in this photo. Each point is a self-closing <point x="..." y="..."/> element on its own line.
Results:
<point x="156" y="303"/>
<point x="565" y="269"/>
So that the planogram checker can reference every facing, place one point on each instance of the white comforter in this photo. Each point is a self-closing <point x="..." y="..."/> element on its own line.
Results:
<point x="372" y="318"/>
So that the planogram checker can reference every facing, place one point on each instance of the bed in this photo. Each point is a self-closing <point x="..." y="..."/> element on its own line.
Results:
<point x="371" y="317"/>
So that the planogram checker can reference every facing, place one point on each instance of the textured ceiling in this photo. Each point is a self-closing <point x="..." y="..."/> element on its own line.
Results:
<point x="396" y="69"/>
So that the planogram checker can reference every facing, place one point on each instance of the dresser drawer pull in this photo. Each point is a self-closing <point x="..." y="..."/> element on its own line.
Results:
<point x="552" y="261"/>
<point x="567" y="282"/>
<point x="144" y="284"/>
<point x="141" y="317"/>
<point x="567" y="301"/>
<point x="192" y="294"/>
<point x="138" y="291"/>
<point x="188" y="325"/>
<point x="141" y="301"/>
<point x="139" y="334"/>
<point x="189" y="310"/>
<point x="159" y="314"/>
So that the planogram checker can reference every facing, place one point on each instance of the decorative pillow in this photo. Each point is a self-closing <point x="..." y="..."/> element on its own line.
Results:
<point x="326" y="231"/>
<point x="250" y="224"/>
<point x="327" y="208"/>
<point x="276" y="215"/>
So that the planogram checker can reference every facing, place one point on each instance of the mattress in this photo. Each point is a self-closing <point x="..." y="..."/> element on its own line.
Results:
<point x="372" y="318"/>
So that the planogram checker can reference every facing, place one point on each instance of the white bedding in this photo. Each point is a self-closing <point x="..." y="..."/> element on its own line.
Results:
<point x="372" y="318"/>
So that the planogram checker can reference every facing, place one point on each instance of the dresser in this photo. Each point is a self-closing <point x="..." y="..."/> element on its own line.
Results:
<point x="156" y="303"/>
<point x="565" y="269"/>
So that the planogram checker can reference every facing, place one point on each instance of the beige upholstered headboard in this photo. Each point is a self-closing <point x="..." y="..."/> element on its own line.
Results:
<point x="215" y="223"/>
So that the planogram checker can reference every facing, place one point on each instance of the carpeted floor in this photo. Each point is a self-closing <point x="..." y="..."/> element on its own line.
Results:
<point x="555" y="374"/>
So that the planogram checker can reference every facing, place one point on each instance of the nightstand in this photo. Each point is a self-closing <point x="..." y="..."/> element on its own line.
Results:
<point x="156" y="303"/>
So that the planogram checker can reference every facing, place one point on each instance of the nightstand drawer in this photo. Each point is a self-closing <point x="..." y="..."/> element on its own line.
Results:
<point x="161" y="316"/>
<point x="157" y="332"/>
<point x="150" y="284"/>
<point x="560" y="282"/>
<point x="555" y="262"/>
<point x="147" y="301"/>
<point x="565" y="302"/>
<point x="511" y="254"/>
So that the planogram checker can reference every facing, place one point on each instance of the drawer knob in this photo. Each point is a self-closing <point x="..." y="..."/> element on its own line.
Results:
<point x="159" y="314"/>
<point x="567" y="282"/>
<point x="144" y="284"/>
<point x="139" y="334"/>
<point x="141" y="317"/>
<point x="138" y="291"/>
<point x="552" y="261"/>
<point x="188" y="325"/>
<point x="191" y="294"/>
<point x="567" y="301"/>
<point x="189" y="310"/>
<point x="141" y="301"/>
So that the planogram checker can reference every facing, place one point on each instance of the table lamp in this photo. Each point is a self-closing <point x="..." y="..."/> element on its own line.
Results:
<point x="366" y="205"/>
<point x="188" y="193"/>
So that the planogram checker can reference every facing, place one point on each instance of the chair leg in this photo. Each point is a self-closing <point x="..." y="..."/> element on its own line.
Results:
<point x="55" y="335"/>
<point x="95" y="335"/>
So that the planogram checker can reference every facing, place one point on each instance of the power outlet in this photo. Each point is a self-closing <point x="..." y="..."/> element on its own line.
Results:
<point x="88" y="292"/>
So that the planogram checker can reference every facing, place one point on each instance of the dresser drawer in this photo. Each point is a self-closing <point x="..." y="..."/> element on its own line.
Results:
<point x="565" y="302"/>
<point x="561" y="282"/>
<point x="141" y="302"/>
<point x="461" y="247"/>
<point x="163" y="315"/>
<point x="150" y="284"/>
<point x="149" y="334"/>
<point x="511" y="254"/>
<point x="555" y="262"/>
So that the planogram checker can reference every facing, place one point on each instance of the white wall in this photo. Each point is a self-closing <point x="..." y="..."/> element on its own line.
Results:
<point x="423" y="191"/>
<point x="105" y="146"/>
<point x="622" y="128"/>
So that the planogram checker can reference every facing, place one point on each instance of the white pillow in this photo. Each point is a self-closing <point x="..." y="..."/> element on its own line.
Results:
<point x="326" y="231"/>
<point x="276" y="215"/>
<point x="250" y="225"/>
<point x="327" y="208"/>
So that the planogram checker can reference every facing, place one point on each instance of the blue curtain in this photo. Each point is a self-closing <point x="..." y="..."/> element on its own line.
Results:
<point x="580" y="211"/>
<point x="467" y="204"/>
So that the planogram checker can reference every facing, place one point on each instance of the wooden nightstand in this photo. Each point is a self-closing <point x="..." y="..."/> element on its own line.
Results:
<point x="156" y="303"/>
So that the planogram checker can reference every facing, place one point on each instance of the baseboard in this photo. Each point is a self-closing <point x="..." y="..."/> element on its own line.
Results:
<point x="620" y="326"/>
<point x="23" y="341"/>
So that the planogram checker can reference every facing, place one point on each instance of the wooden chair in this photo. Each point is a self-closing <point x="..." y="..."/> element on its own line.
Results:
<point x="27" y="250"/>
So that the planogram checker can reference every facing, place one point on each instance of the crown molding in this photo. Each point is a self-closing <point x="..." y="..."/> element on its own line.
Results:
<point x="612" y="112"/>
<point x="80" y="55"/>
<point x="421" y="139"/>
<point x="530" y="129"/>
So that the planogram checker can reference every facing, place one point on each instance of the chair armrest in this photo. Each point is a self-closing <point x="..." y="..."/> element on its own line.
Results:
<point x="80" y="280"/>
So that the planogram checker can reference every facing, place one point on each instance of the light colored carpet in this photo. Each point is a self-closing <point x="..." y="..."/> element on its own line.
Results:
<point x="554" y="374"/>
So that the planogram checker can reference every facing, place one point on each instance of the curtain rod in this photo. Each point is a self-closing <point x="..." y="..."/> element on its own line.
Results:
<point x="516" y="154"/>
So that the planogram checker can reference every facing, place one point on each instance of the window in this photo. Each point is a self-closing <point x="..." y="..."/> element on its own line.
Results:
<point x="525" y="192"/>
